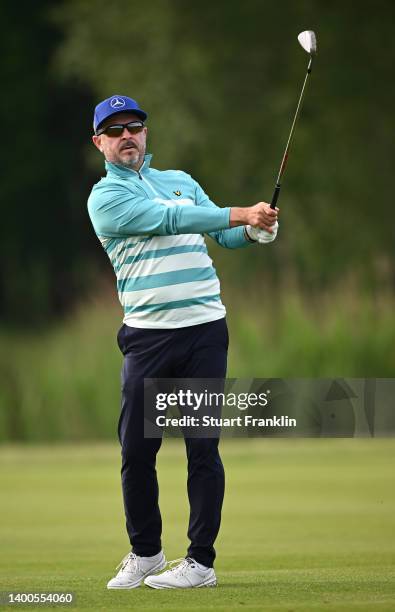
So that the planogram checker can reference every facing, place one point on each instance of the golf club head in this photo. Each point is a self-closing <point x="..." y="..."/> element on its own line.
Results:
<point x="308" y="41"/>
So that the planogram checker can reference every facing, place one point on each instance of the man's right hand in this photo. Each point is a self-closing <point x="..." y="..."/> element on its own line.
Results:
<point x="260" y="215"/>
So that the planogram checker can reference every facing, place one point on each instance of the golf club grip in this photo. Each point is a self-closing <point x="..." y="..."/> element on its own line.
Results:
<point x="275" y="196"/>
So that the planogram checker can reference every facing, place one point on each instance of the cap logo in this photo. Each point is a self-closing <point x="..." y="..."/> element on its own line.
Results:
<point x="117" y="103"/>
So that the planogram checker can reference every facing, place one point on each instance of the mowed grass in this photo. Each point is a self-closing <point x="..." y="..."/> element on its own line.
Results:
<point x="307" y="525"/>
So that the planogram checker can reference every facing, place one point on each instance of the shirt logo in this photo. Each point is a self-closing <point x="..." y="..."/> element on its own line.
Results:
<point x="117" y="103"/>
<point x="177" y="193"/>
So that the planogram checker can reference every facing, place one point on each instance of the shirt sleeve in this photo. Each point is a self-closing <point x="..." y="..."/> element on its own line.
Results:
<point x="230" y="238"/>
<point x="116" y="211"/>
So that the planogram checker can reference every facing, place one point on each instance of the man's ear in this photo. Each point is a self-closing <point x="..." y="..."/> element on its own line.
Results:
<point x="97" y="142"/>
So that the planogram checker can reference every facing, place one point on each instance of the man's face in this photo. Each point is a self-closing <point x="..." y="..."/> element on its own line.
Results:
<point x="127" y="149"/>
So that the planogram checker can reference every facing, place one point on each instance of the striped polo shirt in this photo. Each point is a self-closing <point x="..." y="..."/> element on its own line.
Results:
<point x="151" y="224"/>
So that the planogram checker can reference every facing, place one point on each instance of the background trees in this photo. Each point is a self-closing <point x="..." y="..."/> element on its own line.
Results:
<point x="220" y="81"/>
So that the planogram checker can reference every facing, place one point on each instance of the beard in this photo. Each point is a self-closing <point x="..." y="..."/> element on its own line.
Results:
<point x="131" y="158"/>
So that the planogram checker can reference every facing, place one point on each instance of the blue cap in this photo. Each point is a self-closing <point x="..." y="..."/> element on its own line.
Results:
<point x="112" y="106"/>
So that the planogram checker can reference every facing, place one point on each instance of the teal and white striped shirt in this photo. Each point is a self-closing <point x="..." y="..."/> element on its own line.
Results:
<point x="151" y="224"/>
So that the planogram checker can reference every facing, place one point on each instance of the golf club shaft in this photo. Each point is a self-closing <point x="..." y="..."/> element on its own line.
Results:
<point x="286" y="152"/>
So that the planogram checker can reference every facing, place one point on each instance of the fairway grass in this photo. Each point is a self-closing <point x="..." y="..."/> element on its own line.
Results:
<point x="307" y="525"/>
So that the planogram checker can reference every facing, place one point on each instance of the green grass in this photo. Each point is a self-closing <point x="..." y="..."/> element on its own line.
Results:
<point x="291" y="334"/>
<point x="307" y="525"/>
<point x="56" y="383"/>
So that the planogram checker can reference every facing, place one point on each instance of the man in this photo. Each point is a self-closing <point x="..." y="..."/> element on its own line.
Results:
<point x="151" y="224"/>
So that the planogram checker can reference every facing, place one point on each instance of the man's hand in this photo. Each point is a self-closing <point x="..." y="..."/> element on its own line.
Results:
<point x="262" y="236"/>
<point x="260" y="215"/>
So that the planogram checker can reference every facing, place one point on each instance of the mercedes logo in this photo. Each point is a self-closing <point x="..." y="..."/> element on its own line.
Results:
<point x="117" y="103"/>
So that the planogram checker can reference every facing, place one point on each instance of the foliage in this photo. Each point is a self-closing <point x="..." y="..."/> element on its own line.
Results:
<point x="220" y="81"/>
<point x="44" y="230"/>
<point x="64" y="383"/>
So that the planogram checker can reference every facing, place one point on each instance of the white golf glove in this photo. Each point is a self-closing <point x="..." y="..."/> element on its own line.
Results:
<point x="260" y="235"/>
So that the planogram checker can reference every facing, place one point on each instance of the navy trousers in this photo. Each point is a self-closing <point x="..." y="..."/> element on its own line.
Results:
<point x="199" y="351"/>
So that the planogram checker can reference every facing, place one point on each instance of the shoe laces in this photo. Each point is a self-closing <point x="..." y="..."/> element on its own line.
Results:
<point x="129" y="563"/>
<point x="181" y="565"/>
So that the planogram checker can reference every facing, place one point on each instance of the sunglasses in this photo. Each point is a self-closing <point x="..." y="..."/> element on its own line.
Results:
<point x="134" y="127"/>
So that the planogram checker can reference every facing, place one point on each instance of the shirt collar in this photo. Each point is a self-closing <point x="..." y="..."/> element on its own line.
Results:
<point x="123" y="171"/>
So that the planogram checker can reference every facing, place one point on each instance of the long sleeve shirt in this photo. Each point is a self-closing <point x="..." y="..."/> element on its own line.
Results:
<point x="151" y="224"/>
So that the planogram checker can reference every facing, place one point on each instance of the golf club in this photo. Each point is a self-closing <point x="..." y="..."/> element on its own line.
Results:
<point x="308" y="41"/>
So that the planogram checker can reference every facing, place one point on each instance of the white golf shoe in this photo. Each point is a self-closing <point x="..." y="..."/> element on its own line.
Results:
<point x="134" y="569"/>
<point x="185" y="575"/>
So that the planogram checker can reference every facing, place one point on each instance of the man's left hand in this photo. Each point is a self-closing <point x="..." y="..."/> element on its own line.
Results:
<point x="260" y="235"/>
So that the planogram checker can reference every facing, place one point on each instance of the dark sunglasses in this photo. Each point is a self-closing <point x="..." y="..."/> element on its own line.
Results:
<point x="134" y="127"/>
